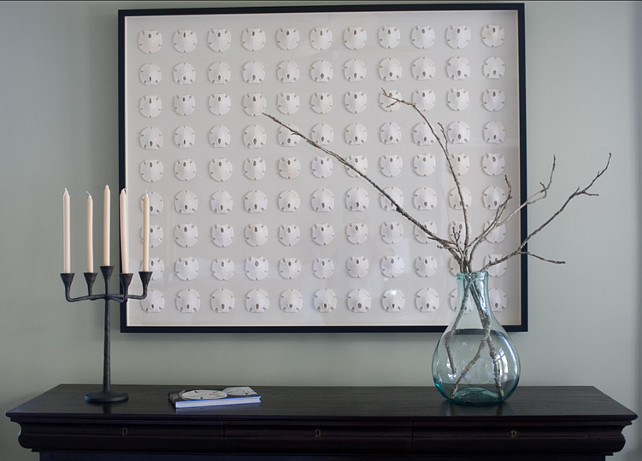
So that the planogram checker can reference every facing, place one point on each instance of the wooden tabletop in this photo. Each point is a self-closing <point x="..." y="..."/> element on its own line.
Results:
<point x="424" y="403"/>
<point x="413" y="421"/>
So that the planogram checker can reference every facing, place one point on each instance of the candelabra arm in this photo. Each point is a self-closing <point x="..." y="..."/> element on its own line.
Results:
<point x="67" y="279"/>
<point x="125" y="281"/>
<point x="145" y="277"/>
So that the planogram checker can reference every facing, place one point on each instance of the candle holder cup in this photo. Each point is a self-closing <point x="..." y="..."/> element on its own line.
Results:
<point x="106" y="395"/>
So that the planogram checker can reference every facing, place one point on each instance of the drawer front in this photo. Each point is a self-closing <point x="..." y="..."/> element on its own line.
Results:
<point x="318" y="438"/>
<point x="518" y="439"/>
<point x="134" y="438"/>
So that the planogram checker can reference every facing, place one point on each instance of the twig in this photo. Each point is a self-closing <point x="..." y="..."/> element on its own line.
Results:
<point x="465" y="261"/>
<point x="448" y="245"/>
<point x="495" y="222"/>
<point x="577" y="193"/>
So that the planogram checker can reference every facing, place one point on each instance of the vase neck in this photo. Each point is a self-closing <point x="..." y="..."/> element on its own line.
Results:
<point x="479" y="279"/>
<point x="473" y="290"/>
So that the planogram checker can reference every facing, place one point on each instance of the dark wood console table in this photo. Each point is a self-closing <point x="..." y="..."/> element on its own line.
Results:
<point x="313" y="423"/>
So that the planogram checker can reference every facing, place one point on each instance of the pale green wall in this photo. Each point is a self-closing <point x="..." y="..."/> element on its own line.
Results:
<point x="58" y="127"/>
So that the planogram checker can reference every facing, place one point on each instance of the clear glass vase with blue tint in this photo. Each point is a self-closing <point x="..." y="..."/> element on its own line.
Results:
<point x="475" y="362"/>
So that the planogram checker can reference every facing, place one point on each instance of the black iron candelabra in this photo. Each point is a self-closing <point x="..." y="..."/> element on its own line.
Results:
<point x="106" y="395"/>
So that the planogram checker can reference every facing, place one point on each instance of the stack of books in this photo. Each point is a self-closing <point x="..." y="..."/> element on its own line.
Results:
<point x="194" y="398"/>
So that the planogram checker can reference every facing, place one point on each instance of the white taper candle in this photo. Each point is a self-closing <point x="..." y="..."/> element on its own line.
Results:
<point x="124" y="231"/>
<point x="106" y="224"/>
<point x="146" y="232"/>
<point x="90" y="233"/>
<point x="66" y="226"/>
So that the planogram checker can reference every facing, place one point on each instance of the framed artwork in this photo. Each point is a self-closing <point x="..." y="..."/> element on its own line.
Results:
<point x="253" y="229"/>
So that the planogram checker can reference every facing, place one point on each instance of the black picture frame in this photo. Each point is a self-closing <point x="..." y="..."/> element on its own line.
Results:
<point x="131" y="22"/>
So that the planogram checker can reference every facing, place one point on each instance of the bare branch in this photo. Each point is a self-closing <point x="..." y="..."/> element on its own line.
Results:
<point x="494" y="223"/>
<point x="577" y="193"/>
<point x="516" y="253"/>
<point x="541" y="194"/>
<point x="444" y="148"/>
<point x="463" y="249"/>
<point x="448" y="245"/>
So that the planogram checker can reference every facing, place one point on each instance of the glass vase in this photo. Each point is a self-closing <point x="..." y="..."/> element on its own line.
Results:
<point x="475" y="362"/>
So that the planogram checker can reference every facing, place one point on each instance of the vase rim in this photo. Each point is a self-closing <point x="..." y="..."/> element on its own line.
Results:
<point x="472" y="274"/>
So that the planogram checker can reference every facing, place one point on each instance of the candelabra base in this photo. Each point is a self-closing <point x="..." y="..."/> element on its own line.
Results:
<point x="106" y="397"/>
